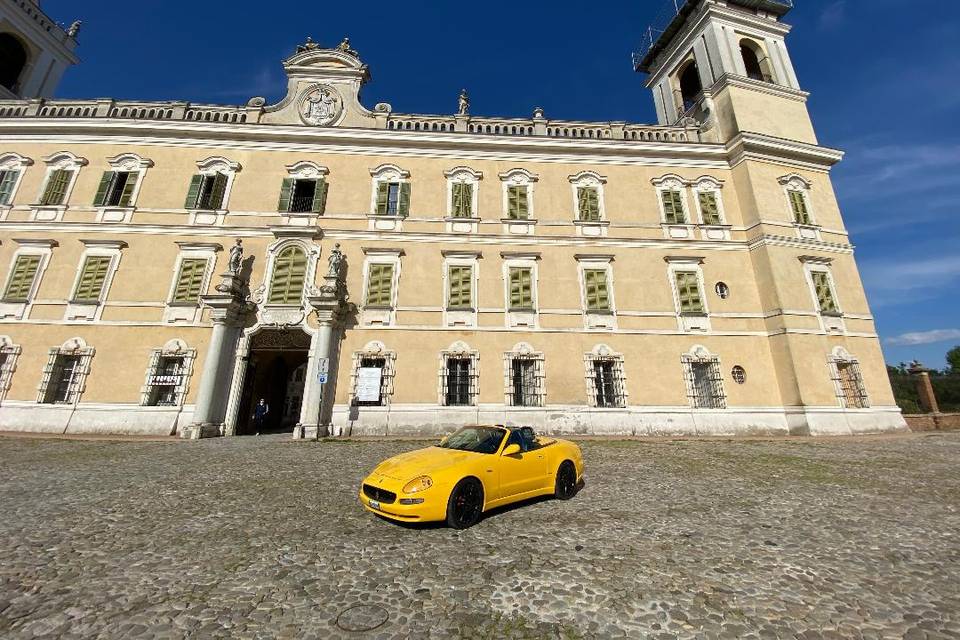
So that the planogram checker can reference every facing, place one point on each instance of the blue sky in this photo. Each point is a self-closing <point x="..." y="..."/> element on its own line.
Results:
<point x="882" y="79"/>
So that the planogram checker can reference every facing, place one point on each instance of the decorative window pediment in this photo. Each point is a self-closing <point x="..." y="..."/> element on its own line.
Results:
<point x="588" y="201"/>
<point x="12" y="168"/>
<point x="62" y="170"/>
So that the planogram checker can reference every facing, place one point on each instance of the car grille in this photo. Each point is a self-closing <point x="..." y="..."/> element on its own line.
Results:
<point x="378" y="494"/>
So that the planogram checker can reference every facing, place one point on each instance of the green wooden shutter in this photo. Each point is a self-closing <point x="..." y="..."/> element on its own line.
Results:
<point x="286" y="193"/>
<point x="380" y="285"/>
<point x="521" y="288"/>
<point x="460" y="279"/>
<point x="320" y="197"/>
<point x="709" y="207"/>
<point x="129" y="184"/>
<point x="190" y="279"/>
<point x="92" y="277"/>
<point x="383" y="195"/>
<point x="289" y="274"/>
<point x="7" y="180"/>
<point x="404" y="209"/>
<point x="588" y="204"/>
<point x="688" y="290"/>
<point x="673" y="207"/>
<point x="104" y="187"/>
<point x="821" y="282"/>
<point x="798" y="202"/>
<point x="21" y="279"/>
<point x="462" y="200"/>
<point x="193" y="193"/>
<point x="517" y="205"/>
<point x="218" y="191"/>
<point x="598" y="297"/>
<point x="56" y="190"/>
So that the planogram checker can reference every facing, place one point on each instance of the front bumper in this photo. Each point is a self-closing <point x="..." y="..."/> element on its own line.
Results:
<point x="433" y="508"/>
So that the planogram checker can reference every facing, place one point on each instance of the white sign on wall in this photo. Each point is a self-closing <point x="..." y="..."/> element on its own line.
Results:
<point x="368" y="384"/>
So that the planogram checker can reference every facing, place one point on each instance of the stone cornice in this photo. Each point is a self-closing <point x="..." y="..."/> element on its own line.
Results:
<point x="758" y="146"/>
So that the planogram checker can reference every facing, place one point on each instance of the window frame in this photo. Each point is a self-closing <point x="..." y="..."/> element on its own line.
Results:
<point x="459" y="350"/>
<point x="795" y="183"/>
<point x="13" y="162"/>
<point x="75" y="347"/>
<point x="390" y="173"/>
<point x="175" y="348"/>
<point x="840" y="356"/>
<point x="468" y="176"/>
<point x="709" y="185"/>
<point x="271" y="283"/>
<point x="375" y="350"/>
<point x="522" y="178"/>
<point x="601" y="353"/>
<point x="306" y="170"/>
<point x="62" y="160"/>
<point x="133" y="164"/>
<point x="697" y="357"/>
<point x="588" y="180"/>
<point x="523" y="351"/>
<point x="384" y="315"/>
<point x="688" y="321"/>
<point x="209" y="168"/>
<point x="670" y="183"/>
<point x="18" y="310"/>
<point x="8" y="365"/>
<point x="92" y="309"/>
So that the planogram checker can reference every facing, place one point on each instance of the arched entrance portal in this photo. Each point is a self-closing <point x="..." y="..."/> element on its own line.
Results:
<point x="276" y="365"/>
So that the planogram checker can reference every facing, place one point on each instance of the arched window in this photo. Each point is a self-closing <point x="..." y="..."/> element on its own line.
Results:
<point x="755" y="61"/>
<point x="690" y="86"/>
<point x="289" y="273"/>
<point x="13" y="58"/>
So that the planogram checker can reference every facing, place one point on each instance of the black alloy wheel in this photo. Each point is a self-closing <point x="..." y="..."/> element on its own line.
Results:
<point x="566" y="486"/>
<point x="465" y="504"/>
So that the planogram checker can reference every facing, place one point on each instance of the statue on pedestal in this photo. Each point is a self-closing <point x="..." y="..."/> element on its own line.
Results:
<point x="335" y="262"/>
<point x="236" y="258"/>
<point x="463" y="103"/>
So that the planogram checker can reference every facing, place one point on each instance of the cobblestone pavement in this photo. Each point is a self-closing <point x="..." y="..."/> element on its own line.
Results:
<point x="264" y="538"/>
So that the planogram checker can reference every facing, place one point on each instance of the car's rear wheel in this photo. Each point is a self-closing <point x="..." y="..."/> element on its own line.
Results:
<point x="566" y="485"/>
<point x="465" y="505"/>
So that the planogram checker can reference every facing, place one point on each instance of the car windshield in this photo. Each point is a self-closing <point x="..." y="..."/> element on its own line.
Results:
<point x="476" y="439"/>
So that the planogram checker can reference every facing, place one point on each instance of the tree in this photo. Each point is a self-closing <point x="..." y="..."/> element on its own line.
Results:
<point x="953" y="359"/>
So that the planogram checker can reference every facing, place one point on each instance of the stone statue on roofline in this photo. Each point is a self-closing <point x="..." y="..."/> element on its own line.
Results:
<point x="344" y="47"/>
<point x="74" y="28"/>
<point x="463" y="103"/>
<point x="309" y="45"/>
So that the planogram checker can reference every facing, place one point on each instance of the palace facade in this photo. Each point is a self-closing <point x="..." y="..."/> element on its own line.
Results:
<point x="166" y="265"/>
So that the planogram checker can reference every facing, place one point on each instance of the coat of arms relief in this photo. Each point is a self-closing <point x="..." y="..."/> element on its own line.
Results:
<point x="320" y="105"/>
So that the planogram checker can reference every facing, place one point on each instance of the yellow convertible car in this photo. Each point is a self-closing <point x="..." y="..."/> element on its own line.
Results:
<point x="471" y="471"/>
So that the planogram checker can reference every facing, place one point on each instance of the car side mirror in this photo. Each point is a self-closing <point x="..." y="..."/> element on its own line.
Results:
<point x="511" y="450"/>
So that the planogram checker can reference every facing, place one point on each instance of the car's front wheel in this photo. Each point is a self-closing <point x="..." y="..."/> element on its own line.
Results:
<point x="566" y="485"/>
<point x="465" y="505"/>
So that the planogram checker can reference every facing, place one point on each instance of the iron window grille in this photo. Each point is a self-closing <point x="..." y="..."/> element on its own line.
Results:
<point x="64" y="376"/>
<point x="606" y="385"/>
<point x="849" y="384"/>
<point x="704" y="382"/>
<point x="385" y="361"/>
<point x="168" y="377"/>
<point x="524" y="379"/>
<point x="459" y="379"/>
<point x="303" y="195"/>
<point x="9" y="354"/>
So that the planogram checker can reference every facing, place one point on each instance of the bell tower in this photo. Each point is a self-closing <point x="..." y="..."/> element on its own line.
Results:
<point x="724" y="63"/>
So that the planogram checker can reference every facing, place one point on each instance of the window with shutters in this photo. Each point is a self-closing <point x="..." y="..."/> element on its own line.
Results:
<point x="459" y="376"/>
<point x="797" y="190"/>
<point x="673" y="211"/>
<point x="379" y="285"/>
<point x="521" y="289"/>
<point x="461" y="205"/>
<point x="525" y="379"/>
<point x="302" y="195"/>
<point x="798" y="206"/>
<point x="288" y="277"/>
<point x="190" y="279"/>
<point x="606" y="383"/>
<point x="93" y="276"/>
<point x="518" y="188"/>
<point x="12" y="167"/>
<point x="596" y="293"/>
<point x="709" y="202"/>
<point x="21" y="279"/>
<point x="64" y="375"/>
<point x="587" y="189"/>
<point x="689" y="296"/>
<point x="8" y="182"/>
<point x="588" y="204"/>
<point x="207" y="192"/>
<point x="391" y="191"/>
<point x="848" y="381"/>
<point x="55" y="190"/>
<point x="704" y="380"/>
<point x="463" y="183"/>
<point x="823" y="289"/>
<point x="62" y="170"/>
<point x="459" y="287"/>
<point x="518" y="206"/>
<point x="116" y="189"/>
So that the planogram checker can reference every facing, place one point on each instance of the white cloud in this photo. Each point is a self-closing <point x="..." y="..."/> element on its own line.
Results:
<point x="914" y="338"/>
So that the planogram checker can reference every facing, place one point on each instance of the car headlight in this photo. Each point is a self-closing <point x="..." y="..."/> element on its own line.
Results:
<point x="418" y="484"/>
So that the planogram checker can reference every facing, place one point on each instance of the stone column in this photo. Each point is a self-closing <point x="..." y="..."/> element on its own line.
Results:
<point x="228" y="307"/>
<point x="318" y="397"/>
<point x="928" y="401"/>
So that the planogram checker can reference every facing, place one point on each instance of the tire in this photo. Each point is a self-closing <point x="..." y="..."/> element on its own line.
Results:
<point x="465" y="505"/>
<point x="566" y="484"/>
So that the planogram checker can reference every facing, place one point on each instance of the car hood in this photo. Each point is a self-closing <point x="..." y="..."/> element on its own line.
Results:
<point x="422" y="462"/>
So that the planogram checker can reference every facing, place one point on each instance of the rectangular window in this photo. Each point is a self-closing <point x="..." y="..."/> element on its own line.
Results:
<point x="521" y="288"/>
<point x="166" y="381"/>
<point x="853" y="395"/>
<point x="380" y="285"/>
<point x="709" y="208"/>
<point x="704" y="384"/>
<point x="688" y="292"/>
<point x="374" y="363"/>
<point x="7" y="181"/>
<point x="64" y="380"/>
<point x="825" y="299"/>
<point x="116" y="189"/>
<point x="190" y="280"/>
<point x="56" y="190"/>
<point x="459" y="381"/>
<point x="93" y="275"/>
<point x="798" y="203"/>
<point x="462" y="195"/>
<point x="517" y="202"/>
<point x="525" y="382"/>
<point x="673" y="207"/>
<point x="21" y="279"/>
<point x="460" y="282"/>
<point x="393" y="198"/>
<point x="596" y="294"/>
<point x="206" y="192"/>
<point x="588" y="204"/>
<point x="299" y="195"/>
<point x="606" y="378"/>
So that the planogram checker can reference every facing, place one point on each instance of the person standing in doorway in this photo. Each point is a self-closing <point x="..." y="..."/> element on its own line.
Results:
<point x="260" y="413"/>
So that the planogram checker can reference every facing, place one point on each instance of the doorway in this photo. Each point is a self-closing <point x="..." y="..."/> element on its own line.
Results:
<point x="276" y="372"/>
